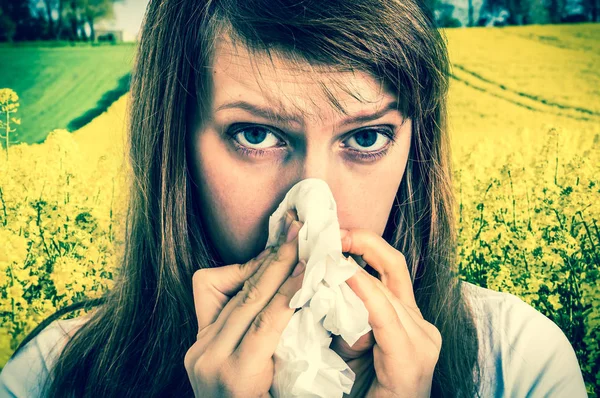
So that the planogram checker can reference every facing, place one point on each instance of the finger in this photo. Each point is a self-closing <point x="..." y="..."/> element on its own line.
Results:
<point x="385" y="259"/>
<point x="290" y="216"/>
<point x="264" y="334"/>
<point x="208" y="333"/>
<point x="412" y="321"/>
<point x="422" y="333"/>
<point x="388" y="330"/>
<point x="224" y="313"/>
<point x="213" y="287"/>
<point x="256" y="292"/>
<point x="234" y="302"/>
<point x="276" y="254"/>
<point x="417" y="327"/>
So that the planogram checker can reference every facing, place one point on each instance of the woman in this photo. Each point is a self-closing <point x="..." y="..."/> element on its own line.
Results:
<point x="232" y="103"/>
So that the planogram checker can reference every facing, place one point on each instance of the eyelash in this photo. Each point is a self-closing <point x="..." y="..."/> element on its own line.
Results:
<point x="365" y="156"/>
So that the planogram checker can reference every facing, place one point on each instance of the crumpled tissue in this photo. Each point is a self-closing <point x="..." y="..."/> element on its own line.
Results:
<point x="305" y="366"/>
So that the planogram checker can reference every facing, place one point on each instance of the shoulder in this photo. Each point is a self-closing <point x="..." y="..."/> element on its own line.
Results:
<point x="522" y="352"/>
<point x="24" y="373"/>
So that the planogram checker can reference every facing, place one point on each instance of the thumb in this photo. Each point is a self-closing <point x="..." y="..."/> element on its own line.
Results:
<point x="214" y="287"/>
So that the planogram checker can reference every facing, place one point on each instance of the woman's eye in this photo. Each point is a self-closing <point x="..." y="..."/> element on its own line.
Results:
<point x="255" y="137"/>
<point x="369" y="140"/>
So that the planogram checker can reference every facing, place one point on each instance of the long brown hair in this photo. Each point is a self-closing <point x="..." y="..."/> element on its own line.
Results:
<point x="135" y="341"/>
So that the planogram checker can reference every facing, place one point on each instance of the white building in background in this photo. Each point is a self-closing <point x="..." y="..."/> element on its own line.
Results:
<point x="104" y="28"/>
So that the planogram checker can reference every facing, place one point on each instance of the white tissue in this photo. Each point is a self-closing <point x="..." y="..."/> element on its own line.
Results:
<point x="305" y="366"/>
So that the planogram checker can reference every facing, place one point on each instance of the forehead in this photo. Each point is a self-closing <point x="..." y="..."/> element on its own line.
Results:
<point x="292" y="85"/>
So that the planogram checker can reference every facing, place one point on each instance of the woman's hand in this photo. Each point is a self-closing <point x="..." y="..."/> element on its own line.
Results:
<point x="237" y="337"/>
<point x="405" y="346"/>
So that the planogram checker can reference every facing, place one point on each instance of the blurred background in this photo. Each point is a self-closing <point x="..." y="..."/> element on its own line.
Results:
<point x="524" y="106"/>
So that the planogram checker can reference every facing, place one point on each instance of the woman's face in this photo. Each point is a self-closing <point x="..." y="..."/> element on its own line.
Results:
<point x="271" y="125"/>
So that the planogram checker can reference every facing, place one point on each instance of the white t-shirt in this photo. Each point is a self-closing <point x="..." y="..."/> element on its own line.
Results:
<point x="22" y="375"/>
<point x="522" y="353"/>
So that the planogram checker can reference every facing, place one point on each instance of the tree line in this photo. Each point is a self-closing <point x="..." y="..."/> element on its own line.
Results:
<point x="525" y="12"/>
<point x="455" y="13"/>
<point x="22" y="20"/>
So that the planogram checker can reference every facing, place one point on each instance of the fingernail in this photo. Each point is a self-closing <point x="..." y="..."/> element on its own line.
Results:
<point x="293" y="231"/>
<point x="343" y="233"/>
<point x="299" y="268"/>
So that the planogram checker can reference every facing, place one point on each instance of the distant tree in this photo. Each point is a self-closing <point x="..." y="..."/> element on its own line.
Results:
<point x="50" y="6"/>
<point x="61" y="6"/>
<point x="492" y="13"/>
<point x="7" y="27"/>
<point x="94" y="10"/>
<point x="538" y="12"/>
<point x="430" y="6"/>
<point x="470" y="13"/>
<point x="73" y="18"/>
<point x="52" y="19"/>
<point x="16" y="19"/>
<point x="592" y="9"/>
<point x="444" y="18"/>
<point x="556" y="10"/>
<point x="519" y="11"/>
<point x="32" y="27"/>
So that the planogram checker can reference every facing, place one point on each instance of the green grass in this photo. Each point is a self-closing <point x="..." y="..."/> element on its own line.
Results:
<point x="63" y="87"/>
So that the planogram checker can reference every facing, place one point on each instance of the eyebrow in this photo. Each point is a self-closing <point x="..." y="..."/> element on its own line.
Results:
<point x="288" y="118"/>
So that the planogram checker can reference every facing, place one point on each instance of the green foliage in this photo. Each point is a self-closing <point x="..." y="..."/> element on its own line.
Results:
<point x="61" y="226"/>
<point x="529" y="225"/>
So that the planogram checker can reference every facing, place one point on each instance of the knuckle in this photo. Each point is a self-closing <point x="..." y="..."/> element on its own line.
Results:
<point x="286" y="250"/>
<point x="229" y="379"/>
<point x="263" y="322"/>
<point x="225" y="378"/>
<point x="188" y="360"/>
<point x="199" y="277"/>
<point x="402" y="257"/>
<point x="432" y="346"/>
<point x="281" y="252"/>
<point x="250" y="292"/>
<point x="203" y="368"/>
<point x="436" y="336"/>
<point x="244" y="269"/>
<point x="431" y="356"/>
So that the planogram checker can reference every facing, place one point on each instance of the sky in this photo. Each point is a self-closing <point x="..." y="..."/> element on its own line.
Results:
<point x="128" y="17"/>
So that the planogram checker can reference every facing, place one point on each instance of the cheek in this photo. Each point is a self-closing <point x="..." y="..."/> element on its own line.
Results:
<point x="235" y="210"/>
<point x="368" y="201"/>
<point x="367" y="205"/>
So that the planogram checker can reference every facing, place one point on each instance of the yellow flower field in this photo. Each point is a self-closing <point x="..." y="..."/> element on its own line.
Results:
<point x="525" y="125"/>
